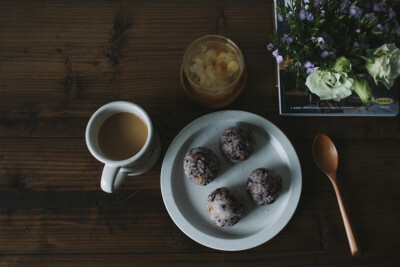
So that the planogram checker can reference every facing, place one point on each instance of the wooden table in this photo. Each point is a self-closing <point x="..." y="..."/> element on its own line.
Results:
<point x="62" y="60"/>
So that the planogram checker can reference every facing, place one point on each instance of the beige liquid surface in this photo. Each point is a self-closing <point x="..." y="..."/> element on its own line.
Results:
<point x="122" y="136"/>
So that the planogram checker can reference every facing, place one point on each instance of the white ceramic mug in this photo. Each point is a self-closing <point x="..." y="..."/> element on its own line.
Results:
<point x="115" y="172"/>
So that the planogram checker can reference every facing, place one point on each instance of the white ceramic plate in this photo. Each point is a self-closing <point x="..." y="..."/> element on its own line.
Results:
<point x="185" y="200"/>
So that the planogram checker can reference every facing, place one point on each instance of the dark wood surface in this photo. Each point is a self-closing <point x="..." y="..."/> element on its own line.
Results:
<point x="62" y="60"/>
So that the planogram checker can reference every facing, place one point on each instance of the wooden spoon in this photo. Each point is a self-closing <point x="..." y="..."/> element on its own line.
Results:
<point x="326" y="158"/>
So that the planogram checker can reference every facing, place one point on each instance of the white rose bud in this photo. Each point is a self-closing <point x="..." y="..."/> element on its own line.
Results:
<point x="386" y="65"/>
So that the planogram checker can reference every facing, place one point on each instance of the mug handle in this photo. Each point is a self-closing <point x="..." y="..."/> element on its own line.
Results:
<point x="111" y="178"/>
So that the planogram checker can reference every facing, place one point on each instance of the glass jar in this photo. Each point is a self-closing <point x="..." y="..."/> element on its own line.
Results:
<point x="213" y="65"/>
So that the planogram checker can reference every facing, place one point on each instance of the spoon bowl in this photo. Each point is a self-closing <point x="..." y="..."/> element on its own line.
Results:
<point x="326" y="158"/>
<point x="325" y="155"/>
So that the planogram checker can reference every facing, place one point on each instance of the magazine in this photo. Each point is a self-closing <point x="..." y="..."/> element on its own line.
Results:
<point x="296" y="102"/>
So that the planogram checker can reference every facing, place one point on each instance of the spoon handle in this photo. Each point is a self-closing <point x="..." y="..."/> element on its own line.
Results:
<point x="349" y="231"/>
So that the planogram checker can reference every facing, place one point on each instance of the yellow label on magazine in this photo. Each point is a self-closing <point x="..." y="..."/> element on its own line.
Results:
<point x="383" y="101"/>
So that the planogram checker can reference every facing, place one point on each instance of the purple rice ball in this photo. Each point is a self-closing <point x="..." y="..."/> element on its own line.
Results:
<point x="264" y="186"/>
<point x="201" y="165"/>
<point x="237" y="143"/>
<point x="225" y="207"/>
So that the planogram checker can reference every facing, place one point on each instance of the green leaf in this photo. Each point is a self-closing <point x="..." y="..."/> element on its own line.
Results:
<point x="387" y="20"/>
<point x="363" y="90"/>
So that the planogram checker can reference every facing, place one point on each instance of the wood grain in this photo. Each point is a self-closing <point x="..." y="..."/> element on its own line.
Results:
<point x="60" y="61"/>
<point x="200" y="259"/>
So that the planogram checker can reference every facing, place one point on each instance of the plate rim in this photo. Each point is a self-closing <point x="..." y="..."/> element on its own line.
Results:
<point x="221" y="243"/>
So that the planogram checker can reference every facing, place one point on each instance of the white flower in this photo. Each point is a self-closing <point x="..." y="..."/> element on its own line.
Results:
<point x="386" y="66"/>
<point x="329" y="85"/>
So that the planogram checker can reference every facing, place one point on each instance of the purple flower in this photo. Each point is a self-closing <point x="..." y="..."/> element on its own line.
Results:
<point x="279" y="59"/>
<point x="321" y="43"/>
<point x="386" y="28"/>
<point x="344" y="5"/>
<point x="287" y="39"/>
<point x="392" y="14"/>
<point x="302" y="15"/>
<point x="317" y="4"/>
<point x="310" y="71"/>
<point x="310" y="17"/>
<point x="361" y="46"/>
<point x="324" y="54"/>
<point x="310" y="67"/>
<point x="356" y="11"/>
<point x="379" y="27"/>
<point x="358" y="30"/>
<point x="370" y="16"/>
<point x="378" y="7"/>
<point x="270" y="46"/>
<point x="313" y="39"/>
<point x="298" y="64"/>
<point x="305" y="15"/>
<point x="309" y="64"/>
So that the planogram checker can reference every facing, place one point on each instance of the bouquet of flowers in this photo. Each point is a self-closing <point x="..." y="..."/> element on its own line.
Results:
<point x="333" y="47"/>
